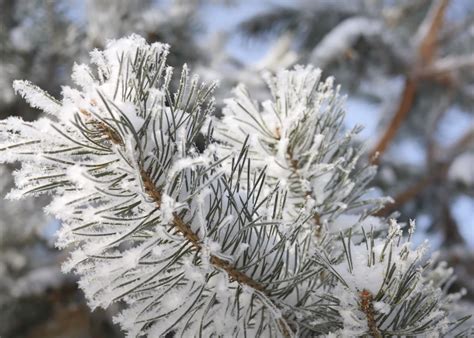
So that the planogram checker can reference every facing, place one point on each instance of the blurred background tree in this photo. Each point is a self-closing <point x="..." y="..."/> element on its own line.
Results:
<point x="406" y="65"/>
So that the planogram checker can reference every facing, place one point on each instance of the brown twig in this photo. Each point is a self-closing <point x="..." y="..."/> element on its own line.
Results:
<point x="367" y="306"/>
<point x="429" y="29"/>
<point x="427" y="36"/>
<point x="446" y="65"/>
<point x="404" y="107"/>
<point x="183" y="228"/>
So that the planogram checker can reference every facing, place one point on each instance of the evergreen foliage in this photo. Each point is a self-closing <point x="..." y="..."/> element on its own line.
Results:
<point x="266" y="229"/>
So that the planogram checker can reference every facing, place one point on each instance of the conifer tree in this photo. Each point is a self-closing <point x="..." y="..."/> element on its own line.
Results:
<point x="263" y="229"/>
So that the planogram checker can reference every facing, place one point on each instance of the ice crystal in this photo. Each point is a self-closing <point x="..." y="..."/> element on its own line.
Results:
<point x="262" y="231"/>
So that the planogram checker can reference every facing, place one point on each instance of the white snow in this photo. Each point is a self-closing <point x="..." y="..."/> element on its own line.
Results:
<point x="462" y="169"/>
<point x="123" y="245"/>
<point x="36" y="97"/>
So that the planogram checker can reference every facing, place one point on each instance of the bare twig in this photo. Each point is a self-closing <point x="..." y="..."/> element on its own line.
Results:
<point x="426" y="40"/>
<point x="448" y="64"/>
<point x="426" y="37"/>
<point x="406" y="102"/>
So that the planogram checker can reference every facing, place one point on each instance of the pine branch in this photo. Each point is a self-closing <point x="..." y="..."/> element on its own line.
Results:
<point x="218" y="241"/>
<point x="294" y="134"/>
<point x="194" y="239"/>
<point x="446" y="65"/>
<point x="395" y="303"/>
<point x="185" y="230"/>
<point x="178" y="223"/>
<point x="107" y="127"/>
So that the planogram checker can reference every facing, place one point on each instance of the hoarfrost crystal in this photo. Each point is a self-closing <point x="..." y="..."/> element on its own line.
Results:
<point x="264" y="230"/>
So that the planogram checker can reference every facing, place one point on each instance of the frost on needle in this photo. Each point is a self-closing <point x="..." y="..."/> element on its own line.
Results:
<point x="264" y="229"/>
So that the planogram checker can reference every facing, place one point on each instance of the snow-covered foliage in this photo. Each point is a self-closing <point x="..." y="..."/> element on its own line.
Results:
<point x="386" y="287"/>
<point x="213" y="240"/>
<point x="297" y="137"/>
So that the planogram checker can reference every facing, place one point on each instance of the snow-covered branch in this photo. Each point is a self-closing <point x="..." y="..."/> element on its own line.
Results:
<point x="264" y="229"/>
